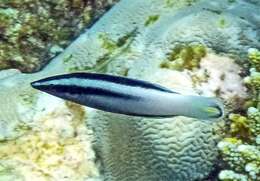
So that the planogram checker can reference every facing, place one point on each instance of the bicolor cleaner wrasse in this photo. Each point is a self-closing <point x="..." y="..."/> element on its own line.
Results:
<point x="128" y="96"/>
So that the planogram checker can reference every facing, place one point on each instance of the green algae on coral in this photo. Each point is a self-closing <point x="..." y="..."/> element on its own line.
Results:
<point x="67" y="58"/>
<point x="222" y="23"/>
<point x="151" y="20"/>
<point x="112" y="49"/>
<point x="112" y="45"/>
<point x="171" y="3"/>
<point x="185" y="57"/>
<point x="23" y="128"/>
<point x="107" y="43"/>
<point x="239" y="126"/>
<point x="28" y="99"/>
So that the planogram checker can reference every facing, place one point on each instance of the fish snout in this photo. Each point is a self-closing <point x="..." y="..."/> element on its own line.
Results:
<point x="52" y="87"/>
<point x="43" y="85"/>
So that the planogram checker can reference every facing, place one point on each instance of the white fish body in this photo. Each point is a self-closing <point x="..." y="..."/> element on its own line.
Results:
<point x="128" y="96"/>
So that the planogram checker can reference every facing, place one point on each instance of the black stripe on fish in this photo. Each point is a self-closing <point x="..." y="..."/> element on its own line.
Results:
<point x="113" y="79"/>
<point x="78" y="90"/>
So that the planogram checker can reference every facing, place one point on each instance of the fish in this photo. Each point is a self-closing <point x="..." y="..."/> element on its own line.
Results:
<point x="128" y="96"/>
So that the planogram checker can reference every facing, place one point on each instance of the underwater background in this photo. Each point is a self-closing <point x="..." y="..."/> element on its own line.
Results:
<point x="205" y="47"/>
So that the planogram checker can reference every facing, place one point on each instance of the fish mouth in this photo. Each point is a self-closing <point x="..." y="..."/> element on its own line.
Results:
<point x="44" y="85"/>
<point x="35" y="84"/>
<point x="40" y="85"/>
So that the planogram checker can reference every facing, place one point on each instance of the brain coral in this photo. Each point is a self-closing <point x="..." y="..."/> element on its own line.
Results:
<point x="144" y="149"/>
<point x="133" y="39"/>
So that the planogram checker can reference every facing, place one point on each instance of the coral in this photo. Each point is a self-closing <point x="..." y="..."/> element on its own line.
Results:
<point x="241" y="150"/>
<point x="171" y="3"/>
<point x="222" y="23"/>
<point x="242" y="158"/>
<point x="33" y="31"/>
<point x="254" y="57"/>
<point x="151" y="20"/>
<point x="157" y="141"/>
<point x="57" y="149"/>
<point x="253" y="80"/>
<point x="185" y="57"/>
<point x="229" y="175"/>
<point x="154" y="149"/>
<point x="219" y="76"/>
<point x="111" y="49"/>
<point x="120" y="43"/>
<point x="239" y="126"/>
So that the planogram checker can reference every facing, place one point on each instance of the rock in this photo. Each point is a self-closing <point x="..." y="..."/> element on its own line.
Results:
<point x="33" y="32"/>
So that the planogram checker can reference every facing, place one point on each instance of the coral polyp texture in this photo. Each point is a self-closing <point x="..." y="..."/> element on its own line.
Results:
<point x="33" y="31"/>
<point x="58" y="148"/>
<point x="194" y="47"/>
<point x="241" y="150"/>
